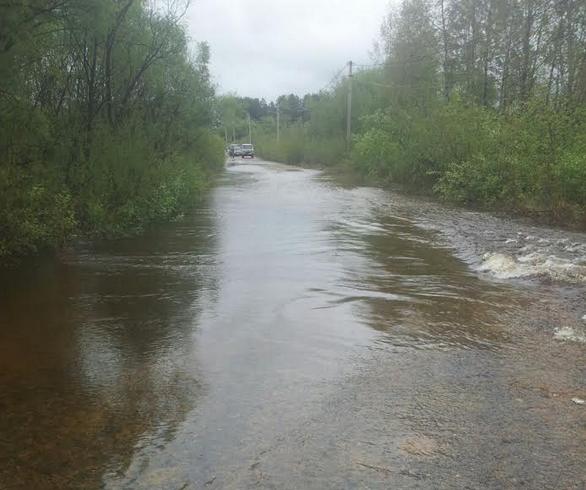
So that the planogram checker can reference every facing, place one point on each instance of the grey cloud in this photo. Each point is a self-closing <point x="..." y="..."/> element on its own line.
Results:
<point x="264" y="48"/>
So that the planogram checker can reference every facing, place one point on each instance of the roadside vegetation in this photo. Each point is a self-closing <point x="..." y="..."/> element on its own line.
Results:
<point x="106" y="120"/>
<point x="481" y="103"/>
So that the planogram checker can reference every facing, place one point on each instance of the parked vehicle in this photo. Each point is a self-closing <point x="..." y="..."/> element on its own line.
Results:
<point x="235" y="150"/>
<point x="247" y="150"/>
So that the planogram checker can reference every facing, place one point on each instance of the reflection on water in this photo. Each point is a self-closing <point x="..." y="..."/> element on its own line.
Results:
<point x="96" y="354"/>
<point x="408" y="286"/>
<point x="437" y="301"/>
<point x="178" y="359"/>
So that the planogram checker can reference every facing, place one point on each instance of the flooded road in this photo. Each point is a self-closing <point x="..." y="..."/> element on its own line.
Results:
<point x="296" y="333"/>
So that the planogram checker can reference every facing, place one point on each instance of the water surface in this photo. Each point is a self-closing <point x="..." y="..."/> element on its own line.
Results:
<point x="292" y="333"/>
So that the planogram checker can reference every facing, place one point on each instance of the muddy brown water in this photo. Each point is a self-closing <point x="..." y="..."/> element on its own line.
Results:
<point x="292" y="333"/>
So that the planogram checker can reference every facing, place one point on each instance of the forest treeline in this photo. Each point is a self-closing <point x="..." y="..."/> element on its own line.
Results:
<point x="106" y="119"/>
<point x="482" y="102"/>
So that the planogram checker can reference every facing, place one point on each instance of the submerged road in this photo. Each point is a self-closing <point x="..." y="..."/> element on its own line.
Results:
<point x="294" y="333"/>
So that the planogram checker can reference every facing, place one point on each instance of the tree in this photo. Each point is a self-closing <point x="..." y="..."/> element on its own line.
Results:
<point x="101" y="106"/>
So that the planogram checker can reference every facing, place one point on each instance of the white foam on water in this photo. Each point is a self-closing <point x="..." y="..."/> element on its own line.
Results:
<point x="502" y="266"/>
<point x="506" y="266"/>
<point x="569" y="334"/>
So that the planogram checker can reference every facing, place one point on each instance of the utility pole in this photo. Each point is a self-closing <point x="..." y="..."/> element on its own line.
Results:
<point x="249" y="129"/>
<point x="349" y="109"/>
<point x="278" y="124"/>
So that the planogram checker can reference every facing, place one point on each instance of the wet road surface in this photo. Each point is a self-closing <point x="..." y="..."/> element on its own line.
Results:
<point x="294" y="333"/>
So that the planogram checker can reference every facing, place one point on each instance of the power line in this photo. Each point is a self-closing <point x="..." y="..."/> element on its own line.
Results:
<point x="369" y="65"/>
<point x="454" y="76"/>
<point x="334" y="80"/>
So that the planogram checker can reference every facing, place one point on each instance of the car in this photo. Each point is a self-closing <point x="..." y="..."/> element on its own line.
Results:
<point x="247" y="150"/>
<point x="235" y="150"/>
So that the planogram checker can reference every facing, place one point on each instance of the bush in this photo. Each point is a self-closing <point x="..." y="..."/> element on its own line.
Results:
<point x="298" y="146"/>
<point x="104" y="147"/>
<point x="532" y="159"/>
<point x="36" y="212"/>
<point x="113" y="198"/>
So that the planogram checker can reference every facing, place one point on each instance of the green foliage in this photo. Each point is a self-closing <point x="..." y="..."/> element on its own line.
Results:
<point x="570" y="175"/>
<point x="475" y="181"/>
<point x="329" y="150"/>
<point x="35" y="211"/>
<point x="105" y="120"/>
<point x="530" y="160"/>
<point x="378" y="157"/>
<point x="467" y="117"/>
<point x="289" y="150"/>
<point x="298" y="145"/>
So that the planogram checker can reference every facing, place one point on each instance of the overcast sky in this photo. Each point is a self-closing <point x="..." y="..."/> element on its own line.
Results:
<point x="265" y="48"/>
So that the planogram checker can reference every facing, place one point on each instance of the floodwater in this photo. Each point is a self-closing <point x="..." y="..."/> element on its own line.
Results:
<point x="296" y="333"/>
